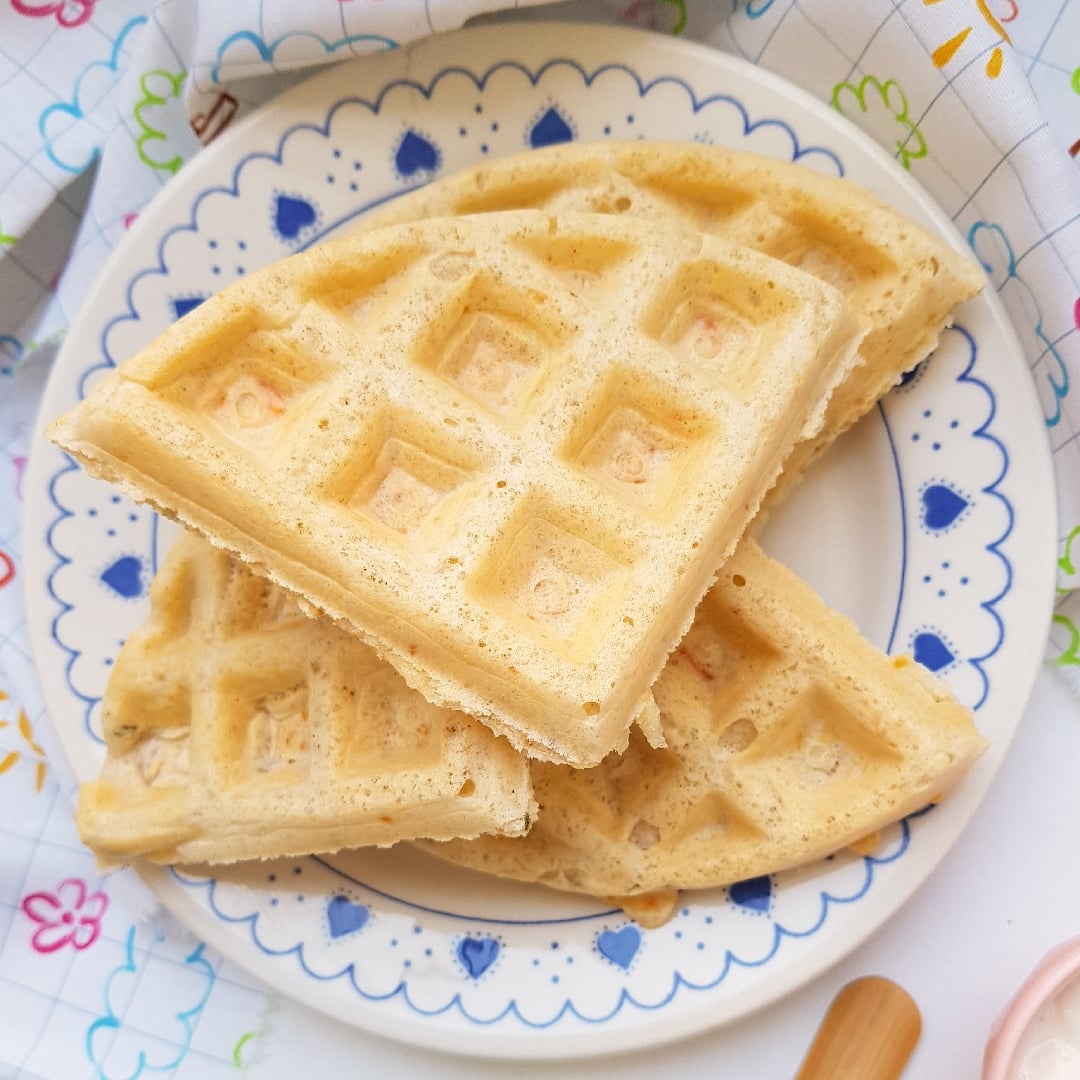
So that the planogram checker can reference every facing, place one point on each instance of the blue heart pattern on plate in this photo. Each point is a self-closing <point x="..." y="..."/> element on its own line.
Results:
<point x="754" y="894"/>
<point x="550" y="129"/>
<point x="941" y="506"/>
<point x="477" y="954"/>
<point x="415" y="154"/>
<point x="292" y="215"/>
<point x="619" y="946"/>
<point x="343" y="916"/>
<point x="931" y="651"/>
<point x="125" y="576"/>
<point x="181" y="305"/>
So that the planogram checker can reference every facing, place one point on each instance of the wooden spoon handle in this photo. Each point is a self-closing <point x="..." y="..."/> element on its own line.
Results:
<point x="868" y="1033"/>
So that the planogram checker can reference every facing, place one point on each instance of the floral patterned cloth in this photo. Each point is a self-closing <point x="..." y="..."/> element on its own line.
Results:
<point x="102" y="103"/>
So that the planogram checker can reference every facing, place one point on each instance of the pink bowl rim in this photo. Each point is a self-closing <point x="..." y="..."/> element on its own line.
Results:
<point x="1055" y="969"/>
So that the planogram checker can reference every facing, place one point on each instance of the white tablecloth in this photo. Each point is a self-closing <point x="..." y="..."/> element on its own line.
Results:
<point x="102" y="104"/>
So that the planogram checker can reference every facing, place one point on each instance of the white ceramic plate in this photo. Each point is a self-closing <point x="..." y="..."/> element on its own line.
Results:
<point x="932" y="524"/>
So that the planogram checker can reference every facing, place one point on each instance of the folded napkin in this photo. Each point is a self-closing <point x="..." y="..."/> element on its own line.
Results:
<point x="102" y="103"/>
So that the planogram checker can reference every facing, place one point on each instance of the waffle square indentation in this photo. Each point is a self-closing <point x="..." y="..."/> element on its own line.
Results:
<point x="255" y="605"/>
<point x="279" y="731"/>
<point x="162" y="758"/>
<point x="389" y="727"/>
<point x="496" y="360"/>
<point x="249" y="387"/>
<point x="712" y="315"/>
<point x="622" y="793"/>
<point x="711" y="673"/>
<point x="494" y="340"/>
<point x="707" y="332"/>
<point x="640" y="458"/>
<point x="582" y="266"/>
<point x="819" y="741"/>
<point x="404" y="485"/>
<point x="362" y="290"/>
<point x="710" y="818"/>
<point x="637" y="440"/>
<point x="265" y="731"/>
<point x="554" y="583"/>
<point x="834" y="254"/>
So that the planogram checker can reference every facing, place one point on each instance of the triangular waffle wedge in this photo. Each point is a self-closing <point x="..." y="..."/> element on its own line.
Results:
<point x="789" y="737"/>
<point x="903" y="280"/>
<point x="237" y="728"/>
<point x="510" y="451"/>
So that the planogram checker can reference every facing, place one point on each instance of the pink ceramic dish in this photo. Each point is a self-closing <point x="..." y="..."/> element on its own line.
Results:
<point x="1038" y="1033"/>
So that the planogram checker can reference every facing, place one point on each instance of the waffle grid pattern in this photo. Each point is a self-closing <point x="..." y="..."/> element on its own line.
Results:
<point x="788" y="738"/>
<point x="232" y="711"/>
<point x="450" y="424"/>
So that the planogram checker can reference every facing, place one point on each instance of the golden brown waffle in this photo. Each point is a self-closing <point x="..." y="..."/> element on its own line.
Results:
<point x="237" y="728"/>
<point x="510" y="451"/>
<point x="903" y="280"/>
<point x="789" y="737"/>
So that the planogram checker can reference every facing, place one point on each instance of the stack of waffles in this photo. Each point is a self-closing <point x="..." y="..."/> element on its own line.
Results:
<point x="469" y="498"/>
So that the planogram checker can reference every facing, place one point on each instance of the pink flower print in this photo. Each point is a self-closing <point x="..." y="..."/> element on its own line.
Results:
<point x="67" y="917"/>
<point x="68" y="13"/>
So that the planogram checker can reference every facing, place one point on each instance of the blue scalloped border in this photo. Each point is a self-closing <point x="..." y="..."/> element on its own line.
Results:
<point x="62" y="560"/>
<point x="731" y="960"/>
<point x="993" y="491"/>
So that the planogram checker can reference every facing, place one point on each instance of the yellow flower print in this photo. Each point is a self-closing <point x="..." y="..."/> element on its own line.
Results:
<point x="37" y="755"/>
<point x="947" y="50"/>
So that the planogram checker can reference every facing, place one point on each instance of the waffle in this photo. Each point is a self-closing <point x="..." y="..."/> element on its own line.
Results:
<point x="789" y="737"/>
<point x="903" y="280"/>
<point x="509" y="451"/>
<point x="238" y="728"/>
